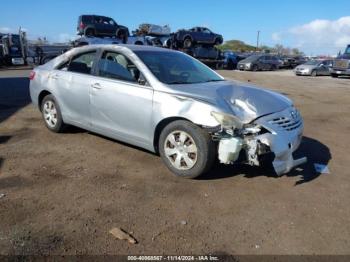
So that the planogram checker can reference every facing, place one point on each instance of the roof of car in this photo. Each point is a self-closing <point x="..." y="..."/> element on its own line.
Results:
<point x="131" y="47"/>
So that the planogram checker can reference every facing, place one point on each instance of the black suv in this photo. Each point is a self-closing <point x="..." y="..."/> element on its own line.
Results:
<point x="95" y="25"/>
<point x="196" y="35"/>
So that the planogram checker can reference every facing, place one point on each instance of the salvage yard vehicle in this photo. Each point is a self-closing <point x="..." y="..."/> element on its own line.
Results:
<point x="315" y="68"/>
<point x="341" y="65"/>
<point x="196" y="35"/>
<point x="96" y="25"/>
<point x="182" y="110"/>
<point x="259" y="62"/>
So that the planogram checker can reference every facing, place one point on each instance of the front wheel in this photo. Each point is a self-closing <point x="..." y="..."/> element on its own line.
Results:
<point x="255" y="68"/>
<point x="334" y="75"/>
<point x="186" y="149"/>
<point x="314" y="73"/>
<point x="187" y="42"/>
<point x="52" y="114"/>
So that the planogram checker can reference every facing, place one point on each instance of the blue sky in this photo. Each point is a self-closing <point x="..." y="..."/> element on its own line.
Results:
<point x="315" y="26"/>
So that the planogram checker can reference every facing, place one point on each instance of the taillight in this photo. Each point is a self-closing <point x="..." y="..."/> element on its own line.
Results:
<point x="82" y="26"/>
<point x="32" y="75"/>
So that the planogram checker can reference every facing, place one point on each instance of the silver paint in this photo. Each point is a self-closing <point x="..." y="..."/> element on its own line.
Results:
<point x="131" y="112"/>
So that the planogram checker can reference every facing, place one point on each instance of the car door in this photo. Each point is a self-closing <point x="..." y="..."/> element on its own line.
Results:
<point x="327" y="64"/>
<point x="73" y="80"/>
<point x="261" y="63"/>
<point x="108" y="25"/>
<point x="120" y="106"/>
<point x="99" y="25"/>
<point x="207" y="36"/>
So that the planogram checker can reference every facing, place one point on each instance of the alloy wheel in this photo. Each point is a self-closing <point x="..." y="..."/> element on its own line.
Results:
<point x="50" y="113"/>
<point x="181" y="150"/>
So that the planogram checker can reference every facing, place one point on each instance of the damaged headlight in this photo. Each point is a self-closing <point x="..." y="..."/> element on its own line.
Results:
<point x="226" y="120"/>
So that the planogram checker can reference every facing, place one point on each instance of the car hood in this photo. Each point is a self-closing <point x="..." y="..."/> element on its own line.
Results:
<point x="306" y="66"/>
<point x="246" y="61"/>
<point x="244" y="101"/>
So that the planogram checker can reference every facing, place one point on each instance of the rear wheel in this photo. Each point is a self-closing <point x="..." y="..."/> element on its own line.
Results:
<point x="186" y="149"/>
<point x="52" y="114"/>
<point x="273" y="67"/>
<point x="334" y="75"/>
<point x="187" y="42"/>
<point x="90" y="32"/>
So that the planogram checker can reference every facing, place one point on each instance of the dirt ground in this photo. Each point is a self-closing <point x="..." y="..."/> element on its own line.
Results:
<point x="64" y="192"/>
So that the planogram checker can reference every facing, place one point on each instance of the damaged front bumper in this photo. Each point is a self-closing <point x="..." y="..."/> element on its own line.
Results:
<point x="272" y="138"/>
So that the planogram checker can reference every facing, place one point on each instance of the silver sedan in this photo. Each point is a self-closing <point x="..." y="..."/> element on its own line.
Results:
<point x="167" y="102"/>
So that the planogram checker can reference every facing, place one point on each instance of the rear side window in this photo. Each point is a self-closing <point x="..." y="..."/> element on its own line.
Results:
<point x="87" y="19"/>
<point x="81" y="63"/>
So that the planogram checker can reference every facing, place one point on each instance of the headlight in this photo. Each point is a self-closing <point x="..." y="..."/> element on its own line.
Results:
<point x="226" y="120"/>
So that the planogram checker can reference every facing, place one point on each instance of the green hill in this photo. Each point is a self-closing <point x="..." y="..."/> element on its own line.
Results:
<point x="237" y="45"/>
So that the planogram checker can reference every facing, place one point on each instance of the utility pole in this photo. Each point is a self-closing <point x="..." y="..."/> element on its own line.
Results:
<point x="257" y="40"/>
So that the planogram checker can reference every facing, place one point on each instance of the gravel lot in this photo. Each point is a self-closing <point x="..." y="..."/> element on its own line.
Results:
<point x="64" y="192"/>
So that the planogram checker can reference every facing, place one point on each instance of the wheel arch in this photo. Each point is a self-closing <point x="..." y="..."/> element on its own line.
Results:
<point x="41" y="96"/>
<point x="187" y="36"/>
<point x="160" y="126"/>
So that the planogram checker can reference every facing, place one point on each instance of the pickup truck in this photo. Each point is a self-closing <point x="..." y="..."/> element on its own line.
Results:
<point x="341" y="65"/>
<point x="196" y="35"/>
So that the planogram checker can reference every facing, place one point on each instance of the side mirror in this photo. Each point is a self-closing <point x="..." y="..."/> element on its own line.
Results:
<point x="142" y="80"/>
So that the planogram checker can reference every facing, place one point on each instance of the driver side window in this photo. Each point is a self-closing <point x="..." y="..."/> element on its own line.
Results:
<point x="117" y="66"/>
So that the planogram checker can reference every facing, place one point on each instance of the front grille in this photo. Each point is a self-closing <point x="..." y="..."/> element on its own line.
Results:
<point x="341" y="64"/>
<point x="287" y="123"/>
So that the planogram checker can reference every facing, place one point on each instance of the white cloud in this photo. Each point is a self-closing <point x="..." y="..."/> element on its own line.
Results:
<point x="318" y="36"/>
<point x="5" y="30"/>
<point x="276" y="37"/>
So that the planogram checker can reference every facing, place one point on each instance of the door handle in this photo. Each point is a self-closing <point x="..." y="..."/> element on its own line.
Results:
<point x="96" y="86"/>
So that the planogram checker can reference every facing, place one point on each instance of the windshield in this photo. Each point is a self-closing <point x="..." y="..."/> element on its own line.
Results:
<point x="347" y="50"/>
<point x="312" y="62"/>
<point x="177" y="68"/>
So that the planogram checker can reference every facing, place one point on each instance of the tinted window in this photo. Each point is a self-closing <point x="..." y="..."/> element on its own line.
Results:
<point x="176" y="67"/>
<point x="117" y="66"/>
<point x="87" y="19"/>
<point x="82" y="63"/>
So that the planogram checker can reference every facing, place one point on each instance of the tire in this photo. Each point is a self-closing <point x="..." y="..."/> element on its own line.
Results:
<point x="187" y="42"/>
<point x="314" y="73"/>
<point x="89" y="32"/>
<point x="50" y="108"/>
<point x="217" y="41"/>
<point x="255" y="68"/>
<point x="334" y="75"/>
<point x="121" y="34"/>
<point x="183" y="163"/>
<point x="273" y="68"/>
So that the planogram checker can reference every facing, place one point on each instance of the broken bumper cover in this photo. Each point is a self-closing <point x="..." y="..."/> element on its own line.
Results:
<point x="284" y="137"/>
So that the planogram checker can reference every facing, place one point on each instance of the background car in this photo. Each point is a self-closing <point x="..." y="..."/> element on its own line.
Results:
<point x="259" y="62"/>
<point x="315" y="68"/>
<point x="230" y="59"/>
<point x="196" y="35"/>
<point x="95" y="25"/>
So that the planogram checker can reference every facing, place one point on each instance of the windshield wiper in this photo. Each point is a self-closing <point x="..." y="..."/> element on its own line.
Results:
<point x="178" y="83"/>
<point x="215" y="80"/>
